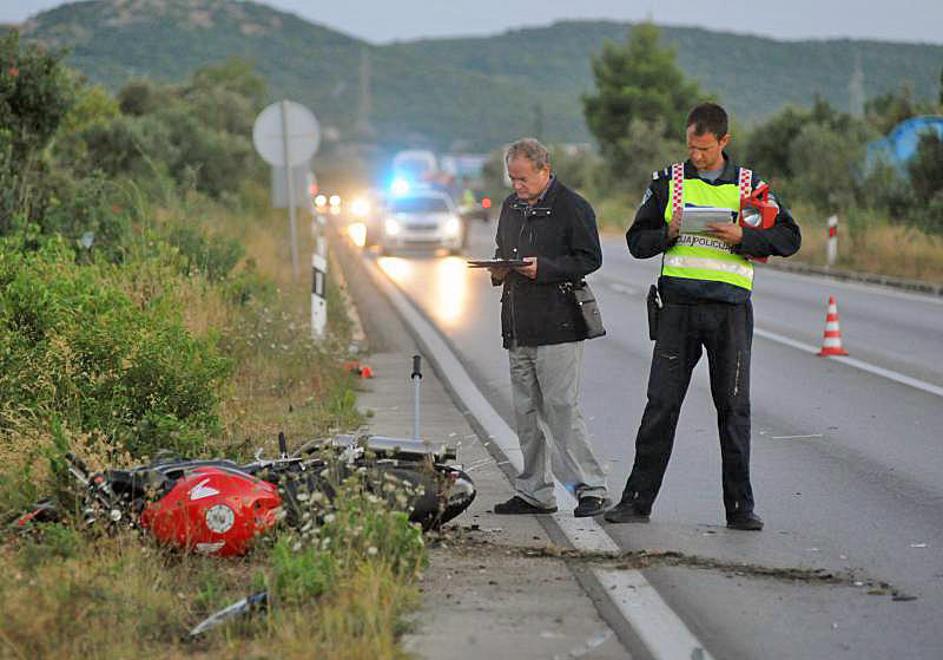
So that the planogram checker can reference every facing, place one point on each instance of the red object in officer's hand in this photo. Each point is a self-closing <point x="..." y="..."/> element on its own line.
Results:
<point x="758" y="211"/>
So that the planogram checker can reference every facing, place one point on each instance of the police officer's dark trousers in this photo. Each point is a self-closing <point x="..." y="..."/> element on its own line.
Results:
<point x="725" y="331"/>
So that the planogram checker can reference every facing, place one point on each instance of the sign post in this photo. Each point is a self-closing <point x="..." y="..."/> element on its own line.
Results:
<point x="286" y="134"/>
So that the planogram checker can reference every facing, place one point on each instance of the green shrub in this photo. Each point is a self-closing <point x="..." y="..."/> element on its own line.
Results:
<point x="72" y="343"/>
<point x="213" y="256"/>
<point x="93" y="209"/>
<point x="301" y="572"/>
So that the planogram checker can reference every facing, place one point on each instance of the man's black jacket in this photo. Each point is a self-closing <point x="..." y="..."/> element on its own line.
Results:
<point x="561" y="232"/>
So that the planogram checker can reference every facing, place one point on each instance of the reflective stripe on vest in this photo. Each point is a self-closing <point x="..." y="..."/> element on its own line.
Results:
<point x="702" y="257"/>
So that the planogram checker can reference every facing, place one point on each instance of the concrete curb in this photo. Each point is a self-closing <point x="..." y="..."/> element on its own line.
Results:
<point x="357" y="336"/>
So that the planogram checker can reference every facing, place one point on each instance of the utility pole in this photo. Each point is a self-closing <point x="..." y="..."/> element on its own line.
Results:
<point x="363" y="128"/>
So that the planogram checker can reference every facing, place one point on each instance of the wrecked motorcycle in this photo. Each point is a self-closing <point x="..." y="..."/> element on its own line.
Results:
<point x="218" y="507"/>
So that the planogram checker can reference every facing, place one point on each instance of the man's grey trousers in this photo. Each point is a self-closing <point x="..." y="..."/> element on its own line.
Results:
<point x="545" y="384"/>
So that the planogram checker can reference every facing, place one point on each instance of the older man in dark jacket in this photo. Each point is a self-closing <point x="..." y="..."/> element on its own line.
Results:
<point x="554" y="230"/>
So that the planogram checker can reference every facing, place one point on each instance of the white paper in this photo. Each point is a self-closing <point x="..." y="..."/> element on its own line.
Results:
<point x="696" y="218"/>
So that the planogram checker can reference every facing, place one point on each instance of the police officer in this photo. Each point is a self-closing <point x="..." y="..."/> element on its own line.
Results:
<point x="705" y="285"/>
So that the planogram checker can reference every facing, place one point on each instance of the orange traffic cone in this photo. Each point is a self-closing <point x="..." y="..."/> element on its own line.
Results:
<point x="831" y="343"/>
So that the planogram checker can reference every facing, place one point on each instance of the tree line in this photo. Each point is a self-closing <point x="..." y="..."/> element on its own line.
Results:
<point x="814" y="156"/>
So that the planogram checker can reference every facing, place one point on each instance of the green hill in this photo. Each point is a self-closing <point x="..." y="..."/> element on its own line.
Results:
<point x="754" y="76"/>
<point x="473" y="92"/>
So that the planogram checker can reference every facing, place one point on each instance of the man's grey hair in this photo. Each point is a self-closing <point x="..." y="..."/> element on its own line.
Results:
<point x="531" y="149"/>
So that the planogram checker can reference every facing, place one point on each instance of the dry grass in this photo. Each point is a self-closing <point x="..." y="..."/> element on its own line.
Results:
<point x="358" y="621"/>
<point x="871" y="244"/>
<point x="121" y="598"/>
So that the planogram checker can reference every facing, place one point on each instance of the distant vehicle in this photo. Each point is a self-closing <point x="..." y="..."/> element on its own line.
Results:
<point x="364" y="216"/>
<point x="415" y="166"/>
<point x="422" y="219"/>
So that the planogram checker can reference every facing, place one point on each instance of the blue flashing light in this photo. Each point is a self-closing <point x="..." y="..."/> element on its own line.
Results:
<point x="399" y="186"/>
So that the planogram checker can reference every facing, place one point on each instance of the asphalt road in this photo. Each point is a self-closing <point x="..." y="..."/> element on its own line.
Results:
<point x="847" y="458"/>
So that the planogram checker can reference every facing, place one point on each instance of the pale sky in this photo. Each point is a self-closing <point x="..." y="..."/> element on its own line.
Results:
<point x="383" y="21"/>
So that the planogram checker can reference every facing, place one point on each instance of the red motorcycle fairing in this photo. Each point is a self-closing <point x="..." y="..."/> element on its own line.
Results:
<point x="213" y="510"/>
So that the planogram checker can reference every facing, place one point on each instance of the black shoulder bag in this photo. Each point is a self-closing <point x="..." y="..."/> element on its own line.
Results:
<point x="589" y="309"/>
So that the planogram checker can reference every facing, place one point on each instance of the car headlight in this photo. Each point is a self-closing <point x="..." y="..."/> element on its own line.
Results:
<point x="453" y="226"/>
<point x="360" y="207"/>
<point x="391" y="227"/>
<point x="358" y="233"/>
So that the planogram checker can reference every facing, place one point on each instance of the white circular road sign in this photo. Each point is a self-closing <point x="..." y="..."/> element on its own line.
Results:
<point x="281" y="120"/>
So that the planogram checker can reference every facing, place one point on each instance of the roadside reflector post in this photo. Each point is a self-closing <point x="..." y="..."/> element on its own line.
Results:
<point x="831" y="246"/>
<point x="319" y="277"/>
<point x="318" y="299"/>
<point x="416" y="377"/>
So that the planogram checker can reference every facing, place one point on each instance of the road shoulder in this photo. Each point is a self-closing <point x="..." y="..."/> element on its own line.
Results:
<point x="483" y="592"/>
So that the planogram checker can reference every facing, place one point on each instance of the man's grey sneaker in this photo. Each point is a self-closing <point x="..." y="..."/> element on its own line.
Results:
<point x="591" y="506"/>
<point x="626" y="512"/>
<point x="749" y="522"/>
<point x="516" y="505"/>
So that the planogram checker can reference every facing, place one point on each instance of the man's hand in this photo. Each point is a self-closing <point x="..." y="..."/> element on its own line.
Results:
<point x="674" y="227"/>
<point x="498" y="273"/>
<point x="530" y="270"/>
<point x="730" y="233"/>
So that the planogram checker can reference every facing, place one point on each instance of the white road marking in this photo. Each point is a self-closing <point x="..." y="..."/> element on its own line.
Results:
<point x="796" y="437"/>
<point x="852" y="362"/>
<point x="662" y="632"/>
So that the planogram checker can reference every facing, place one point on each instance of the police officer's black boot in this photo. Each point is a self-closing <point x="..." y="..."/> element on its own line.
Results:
<point x="748" y="522"/>
<point x="628" y="510"/>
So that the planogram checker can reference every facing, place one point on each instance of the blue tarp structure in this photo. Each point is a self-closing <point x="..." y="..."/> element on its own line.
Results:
<point x="901" y="144"/>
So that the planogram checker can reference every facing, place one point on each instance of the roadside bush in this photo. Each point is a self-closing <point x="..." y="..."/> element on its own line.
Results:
<point x="142" y="97"/>
<point x="132" y="147"/>
<point x="926" y="178"/>
<point x="74" y="345"/>
<point x="301" y="573"/>
<point x="824" y="160"/>
<point x="94" y="208"/>
<point x="931" y="216"/>
<point x="213" y="256"/>
<point x="215" y="160"/>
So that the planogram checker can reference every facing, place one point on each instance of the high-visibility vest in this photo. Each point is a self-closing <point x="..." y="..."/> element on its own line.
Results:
<point x="698" y="257"/>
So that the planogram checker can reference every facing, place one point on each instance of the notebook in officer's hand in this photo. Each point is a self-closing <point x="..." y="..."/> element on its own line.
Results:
<point x="696" y="218"/>
<point x="496" y="263"/>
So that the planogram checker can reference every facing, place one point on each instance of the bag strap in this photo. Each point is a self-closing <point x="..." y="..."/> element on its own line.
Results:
<point x="677" y="195"/>
<point x="746" y="182"/>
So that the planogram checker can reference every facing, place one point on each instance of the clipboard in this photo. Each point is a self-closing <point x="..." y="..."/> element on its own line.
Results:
<point x="696" y="218"/>
<point x="496" y="263"/>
